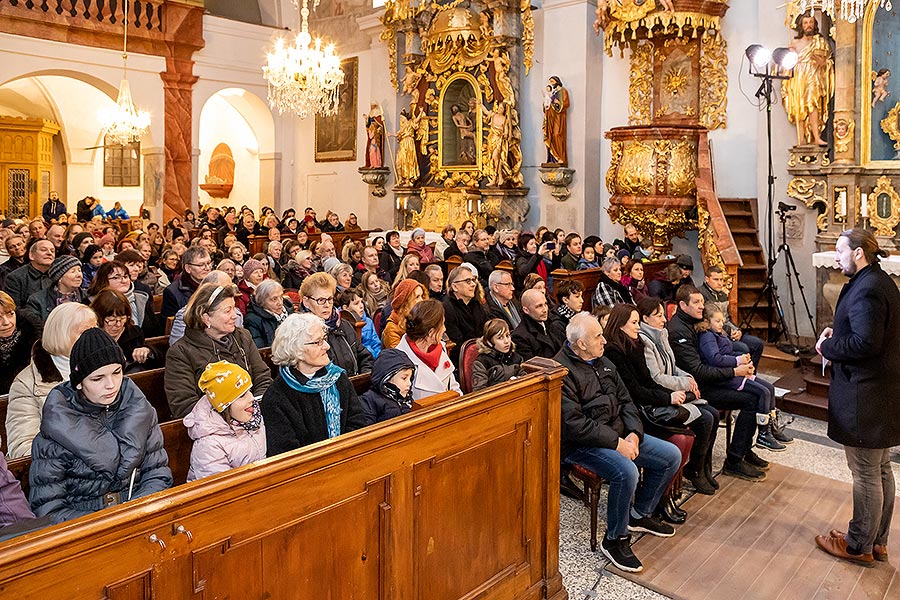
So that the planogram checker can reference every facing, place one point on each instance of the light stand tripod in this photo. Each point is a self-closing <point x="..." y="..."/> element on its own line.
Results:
<point x="770" y="291"/>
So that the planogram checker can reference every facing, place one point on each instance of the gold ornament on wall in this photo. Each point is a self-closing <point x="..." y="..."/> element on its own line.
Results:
<point x="884" y="207"/>
<point x="843" y="134"/>
<point x="812" y="193"/>
<point x="891" y="125"/>
<point x="527" y="34"/>
<point x="659" y="224"/>
<point x="640" y="86"/>
<point x="713" y="82"/>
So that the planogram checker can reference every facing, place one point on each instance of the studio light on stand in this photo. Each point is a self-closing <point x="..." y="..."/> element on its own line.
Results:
<point x="770" y="66"/>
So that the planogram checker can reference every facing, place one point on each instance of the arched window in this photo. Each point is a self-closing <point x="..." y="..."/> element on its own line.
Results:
<point x="121" y="164"/>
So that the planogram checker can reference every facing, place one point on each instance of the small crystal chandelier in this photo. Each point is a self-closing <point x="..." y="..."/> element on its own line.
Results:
<point x="303" y="79"/>
<point x="125" y="124"/>
<point x="847" y="10"/>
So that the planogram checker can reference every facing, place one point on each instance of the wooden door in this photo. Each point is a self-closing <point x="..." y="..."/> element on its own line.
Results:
<point x="19" y="191"/>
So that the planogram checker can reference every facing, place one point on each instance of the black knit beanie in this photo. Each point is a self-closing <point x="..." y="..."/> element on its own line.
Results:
<point x="93" y="350"/>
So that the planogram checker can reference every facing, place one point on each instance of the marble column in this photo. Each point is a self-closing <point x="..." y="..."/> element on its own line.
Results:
<point x="178" y="83"/>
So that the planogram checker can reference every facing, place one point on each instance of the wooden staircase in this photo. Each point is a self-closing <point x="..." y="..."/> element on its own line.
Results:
<point x="740" y="213"/>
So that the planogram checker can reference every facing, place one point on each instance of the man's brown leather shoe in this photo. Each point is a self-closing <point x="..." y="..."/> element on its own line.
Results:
<point x="837" y="546"/>
<point x="879" y="552"/>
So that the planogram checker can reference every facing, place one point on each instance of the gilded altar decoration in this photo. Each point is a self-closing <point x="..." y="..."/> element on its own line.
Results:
<point x="713" y="82"/>
<point x="664" y="167"/>
<point x="811" y="192"/>
<point x="527" y="34"/>
<point x="891" y="125"/>
<point x="884" y="207"/>
<point x="658" y="224"/>
<point x="706" y="240"/>
<point x="407" y="159"/>
<point x="559" y="179"/>
<point x="624" y="21"/>
<point x="843" y="134"/>
<point x="806" y="95"/>
<point x="443" y="205"/>
<point x="640" y="86"/>
<point x="676" y="71"/>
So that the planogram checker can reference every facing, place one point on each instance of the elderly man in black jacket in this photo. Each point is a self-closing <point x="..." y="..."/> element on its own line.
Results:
<point x="714" y="384"/>
<point x="534" y="336"/>
<point x="602" y="431"/>
<point x="864" y="396"/>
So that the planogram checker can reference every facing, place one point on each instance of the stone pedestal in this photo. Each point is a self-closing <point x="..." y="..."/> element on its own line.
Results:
<point x="506" y="208"/>
<point x="559" y="179"/>
<point x="375" y="177"/>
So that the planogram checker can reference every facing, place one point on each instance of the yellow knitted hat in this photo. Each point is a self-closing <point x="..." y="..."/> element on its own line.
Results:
<point x="223" y="383"/>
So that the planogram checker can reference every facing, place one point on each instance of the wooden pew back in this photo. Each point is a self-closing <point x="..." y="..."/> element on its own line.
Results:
<point x="394" y="503"/>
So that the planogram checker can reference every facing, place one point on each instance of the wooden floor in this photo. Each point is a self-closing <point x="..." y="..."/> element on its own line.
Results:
<point x="755" y="541"/>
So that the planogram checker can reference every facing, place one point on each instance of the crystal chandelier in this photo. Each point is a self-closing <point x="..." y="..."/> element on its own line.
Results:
<point x="125" y="124"/>
<point x="303" y="78"/>
<point x="847" y="10"/>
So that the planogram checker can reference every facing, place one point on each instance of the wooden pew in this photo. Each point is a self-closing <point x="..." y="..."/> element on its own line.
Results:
<point x="457" y="500"/>
<point x="4" y="405"/>
<point x="590" y="277"/>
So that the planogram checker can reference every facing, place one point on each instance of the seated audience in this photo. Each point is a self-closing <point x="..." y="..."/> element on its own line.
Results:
<point x="625" y="349"/>
<point x="666" y="284"/>
<point x="436" y="289"/>
<point x="254" y="272"/>
<point x="463" y="310"/>
<point x="17" y="250"/>
<point x="406" y="295"/>
<point x="343" y="276"/>
<point x="115" y="275"/>
<point x="569" y="295"/>
<point x="332" y="223"/>
<point x="534" y="257"/>
<point x="369" y="264"/>
<point x="444" y="242"/>
<point x="114" y="317"/>
<point x="49" y="367"/>
<point x="298" y="269"/>
<point x="33" y="277"/>
<point x="218" y="278"/>
<point x="572" y="255"/>
<point x="713" y="290"/>
<point x="610" y="290"/>
<point x="311" y="399"/>
<point x="344" y="348"/>
<point x="408" y="264"/>
<point x="268" y="309"/>
<point x="588" y="259"/>
<point x="686" y="264"/>
<point x="196" y="264"/>
<point x="117" y="212"/>
<point x="351" y="301"/>
<point x="459" y="245"/>
<point x="602" y="431"/>
<point x="418" y="247"/>
<point x="210" y="336"/>
<point x="82" y="462"/>
<point x="391" y="255"/>
<point x="226" y="424"/>
<point x="65" y="286"/>
<point x="375" y="293"/>
<point x="632" y="242"/>
<point x="634" y="281"/>
<point x="248" y="227"/>
<point x="390" y="394"/>
<point x="533" y="337"/>
<point x="14" y="508"/>
<point x="717" y="350"/>
<point x="500" y="301"/>
<point x="227" y="266"/>
<point x="506" y="246"/>
<point x="534" y="282"/>
<point x="497" y="360"/>
<point x="352" y="223"/>
<point x="17" y="336"/>
<point x="482" y="256"/>
<point x="714" y="382"/>
<point x="423" y="345"/>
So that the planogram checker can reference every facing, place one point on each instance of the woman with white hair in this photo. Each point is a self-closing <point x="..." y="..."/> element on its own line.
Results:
<point x="312" y="399"/>
<point x="418" y="246"/>
<point x="49" y="367"/>
<point x="268" y="309"/>
<point x="343" y="275"/>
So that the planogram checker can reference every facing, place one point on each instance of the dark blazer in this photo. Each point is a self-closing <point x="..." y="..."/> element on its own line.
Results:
<point x="531" y="341"/>
<point x="485" y="262"/>
<point x="495" y="311"/>
<point x="864" y="397"/>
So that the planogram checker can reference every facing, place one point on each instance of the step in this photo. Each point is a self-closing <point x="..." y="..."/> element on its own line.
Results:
<point x="740" y="222"/>
<point x="776" y="362"/>
<point x="816" y="384"/>
<point x="804" y="404"/>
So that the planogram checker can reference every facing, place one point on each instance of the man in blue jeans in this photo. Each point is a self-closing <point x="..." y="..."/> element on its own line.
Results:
<point x="602" y="431"/>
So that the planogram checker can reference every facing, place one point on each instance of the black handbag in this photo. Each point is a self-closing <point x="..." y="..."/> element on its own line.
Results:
<point x="671" y="415"/>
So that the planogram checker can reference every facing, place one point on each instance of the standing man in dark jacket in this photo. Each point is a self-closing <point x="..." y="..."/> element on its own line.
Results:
<point x="714" y="382"/>
<point x="864" y="396"/>
<point x="533" y="337"/>
<point x="602" y="431"/>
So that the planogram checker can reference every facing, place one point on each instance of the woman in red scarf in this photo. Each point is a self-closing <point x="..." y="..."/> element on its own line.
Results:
<point x="424" y="346"/>
<point x="418" y="246"/>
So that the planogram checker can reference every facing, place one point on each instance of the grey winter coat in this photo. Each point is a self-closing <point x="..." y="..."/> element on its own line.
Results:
<point x="85" y="451"/>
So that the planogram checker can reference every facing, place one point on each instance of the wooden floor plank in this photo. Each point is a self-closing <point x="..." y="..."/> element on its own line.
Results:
<point x="756" y="542"/>
<point x="698" y="548"/>
<point x="760" y="531"/>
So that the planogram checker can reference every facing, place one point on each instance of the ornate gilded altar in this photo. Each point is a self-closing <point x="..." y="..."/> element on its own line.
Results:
<point x="460" y="140"/>
<point x="677" y="92"/>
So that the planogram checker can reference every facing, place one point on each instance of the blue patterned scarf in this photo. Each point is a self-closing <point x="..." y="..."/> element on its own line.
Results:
<point x="326" y="387"/>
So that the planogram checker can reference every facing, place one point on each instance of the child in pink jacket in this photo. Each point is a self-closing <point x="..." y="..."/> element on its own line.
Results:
<point x="226" y="423"/>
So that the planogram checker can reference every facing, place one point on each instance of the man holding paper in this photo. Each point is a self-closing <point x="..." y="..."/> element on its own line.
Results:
<point x="864" y="397"/>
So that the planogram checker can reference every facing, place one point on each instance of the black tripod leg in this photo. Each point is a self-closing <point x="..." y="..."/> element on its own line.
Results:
<point x="796" y="273"/>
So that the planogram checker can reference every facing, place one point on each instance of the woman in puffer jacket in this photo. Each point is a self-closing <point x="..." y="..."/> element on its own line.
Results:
<point x="226" y="424"/>
<point x="100" y="443"/>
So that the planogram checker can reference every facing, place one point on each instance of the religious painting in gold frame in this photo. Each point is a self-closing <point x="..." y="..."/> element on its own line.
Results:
<point x="336" y="135"/>
<point x="460" y="124"/>
<point x="881" y="45"/>
<point x="884" y="207"/>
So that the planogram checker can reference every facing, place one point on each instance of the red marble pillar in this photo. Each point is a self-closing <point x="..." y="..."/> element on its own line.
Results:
<point x="178" y="83"/>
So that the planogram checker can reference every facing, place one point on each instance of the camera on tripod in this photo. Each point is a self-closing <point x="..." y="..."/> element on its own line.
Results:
<point x="782" y="207"/>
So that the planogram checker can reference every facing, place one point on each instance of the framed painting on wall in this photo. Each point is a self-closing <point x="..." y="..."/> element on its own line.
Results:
<point x="336" y="135"/>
